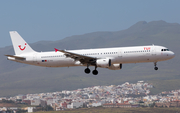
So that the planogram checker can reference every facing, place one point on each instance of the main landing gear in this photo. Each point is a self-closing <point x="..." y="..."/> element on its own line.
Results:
<point x="87" y="70"/>
<point x="95" y="72"/>
<point x="155" y="68"/>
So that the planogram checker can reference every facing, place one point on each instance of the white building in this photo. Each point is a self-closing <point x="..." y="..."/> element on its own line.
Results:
<point x="31" y="109"/>
<point x="96" y="104"/>
<point x="76" y="104"/>
<point x="38" y="102"/>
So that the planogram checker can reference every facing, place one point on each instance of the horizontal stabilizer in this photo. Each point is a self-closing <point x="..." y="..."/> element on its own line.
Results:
<point x="21" y="58"/>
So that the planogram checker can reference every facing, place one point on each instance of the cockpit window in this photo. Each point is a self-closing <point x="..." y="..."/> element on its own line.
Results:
<point x="164" y="49"/>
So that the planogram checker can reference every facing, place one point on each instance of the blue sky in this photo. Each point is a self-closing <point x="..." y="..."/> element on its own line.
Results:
<point x="38" y="20"/>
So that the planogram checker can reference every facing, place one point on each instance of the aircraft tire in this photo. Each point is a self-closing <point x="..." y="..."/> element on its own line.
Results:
<point x="87" y="70"/>
<point x="155" y="68"/>
<point x="95" y="72"/>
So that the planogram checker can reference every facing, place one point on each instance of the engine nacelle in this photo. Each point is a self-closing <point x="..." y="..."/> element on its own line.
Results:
<point x="104" y="63"/>
<point x="115" y="67"/>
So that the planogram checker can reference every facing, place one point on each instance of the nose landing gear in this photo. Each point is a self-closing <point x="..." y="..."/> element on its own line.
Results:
<point x="155" y="68"/>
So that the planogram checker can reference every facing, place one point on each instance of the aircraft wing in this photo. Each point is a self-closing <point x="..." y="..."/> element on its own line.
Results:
<point x="78" y="57"/>
<point x="21" y="58"/>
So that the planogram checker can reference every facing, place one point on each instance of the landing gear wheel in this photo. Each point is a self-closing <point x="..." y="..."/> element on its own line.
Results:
<point x="155" y="64"/>
<point x="87" y="70"/>
<point x="95" y="72"/>
<point x="155" y="68"/>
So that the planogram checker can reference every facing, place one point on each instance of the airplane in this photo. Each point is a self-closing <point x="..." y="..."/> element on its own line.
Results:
<point x="110" y="58"/>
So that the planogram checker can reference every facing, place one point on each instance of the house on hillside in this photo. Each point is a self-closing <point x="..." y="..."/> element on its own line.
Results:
<point x="75" y="104"/>
<point x="31" y="109"/>
<point x="38" y="102"/>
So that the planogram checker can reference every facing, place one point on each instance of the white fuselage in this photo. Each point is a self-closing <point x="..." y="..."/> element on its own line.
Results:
<point x="111" y="58"/>
<point x="119" y="55"/>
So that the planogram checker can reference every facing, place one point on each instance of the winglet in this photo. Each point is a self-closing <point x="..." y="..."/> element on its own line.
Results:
<point x="56" y="50"/>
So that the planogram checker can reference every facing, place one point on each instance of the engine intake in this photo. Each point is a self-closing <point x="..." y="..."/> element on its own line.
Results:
<point x="104" y="63"/>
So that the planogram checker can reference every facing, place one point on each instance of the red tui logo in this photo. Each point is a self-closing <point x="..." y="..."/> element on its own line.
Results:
<point x="147" y="48"/>
<point x="22" y="49"/>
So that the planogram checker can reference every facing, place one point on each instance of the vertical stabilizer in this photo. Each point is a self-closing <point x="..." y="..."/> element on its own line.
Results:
<point x="19" y="44"/>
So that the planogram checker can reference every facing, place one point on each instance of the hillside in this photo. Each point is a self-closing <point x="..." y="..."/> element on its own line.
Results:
<point x="16" y="78"/>
<point x="117" y="110"/>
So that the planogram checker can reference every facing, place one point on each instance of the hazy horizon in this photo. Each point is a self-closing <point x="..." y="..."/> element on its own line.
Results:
<point x="55" y="20"/>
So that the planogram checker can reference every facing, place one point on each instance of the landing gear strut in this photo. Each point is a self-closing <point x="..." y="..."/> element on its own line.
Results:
<point x="87" y="70"/>
<point x="155" y="68"/>
<point x="95" y="72"/>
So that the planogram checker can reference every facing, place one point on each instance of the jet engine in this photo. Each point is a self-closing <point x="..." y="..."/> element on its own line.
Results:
<point x="115" y="67"/>
<point x="104" y="63"/>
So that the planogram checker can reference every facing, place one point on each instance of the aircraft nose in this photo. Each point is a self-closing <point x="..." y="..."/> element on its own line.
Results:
<point x="172" y="54"/>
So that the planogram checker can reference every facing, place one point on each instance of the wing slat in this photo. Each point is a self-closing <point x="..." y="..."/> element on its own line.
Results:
<point x="82" y="58"/>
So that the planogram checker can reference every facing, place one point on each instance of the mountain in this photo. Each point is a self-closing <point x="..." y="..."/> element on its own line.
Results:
<point x="16" y="78"/>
